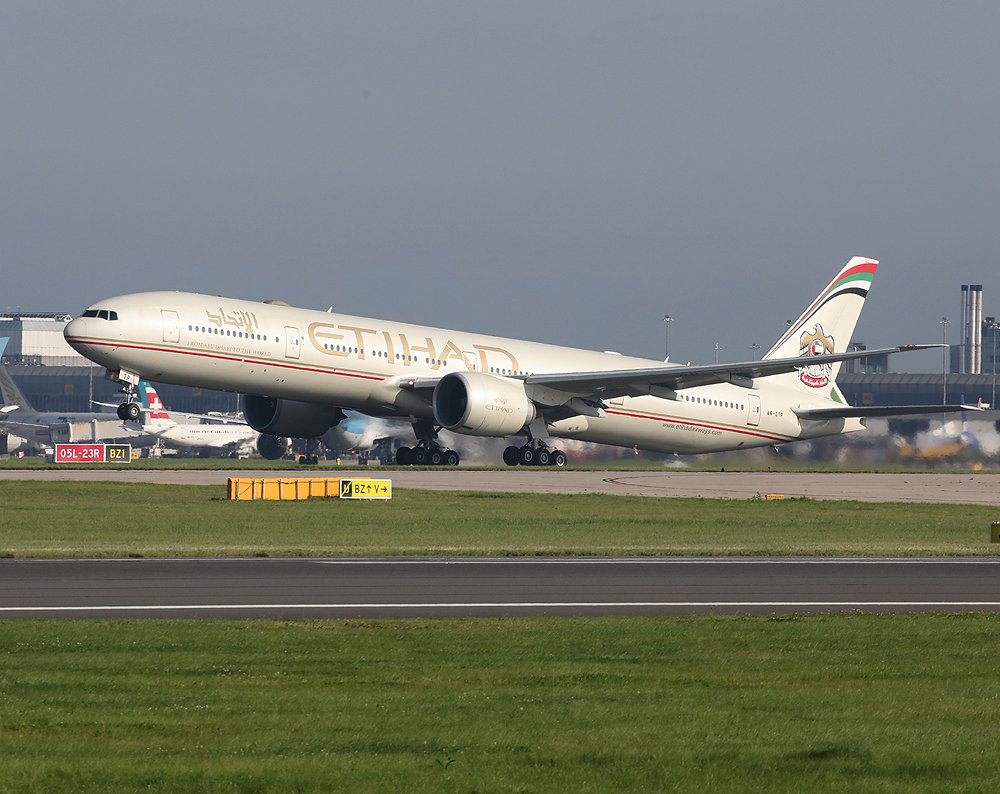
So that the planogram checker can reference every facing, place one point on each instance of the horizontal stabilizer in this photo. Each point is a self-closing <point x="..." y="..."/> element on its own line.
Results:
<point x="849" y="411"/>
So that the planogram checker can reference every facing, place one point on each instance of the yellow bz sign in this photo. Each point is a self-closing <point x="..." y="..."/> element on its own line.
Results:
<point x="120" y="453"/>
<point x="366" y="489"/>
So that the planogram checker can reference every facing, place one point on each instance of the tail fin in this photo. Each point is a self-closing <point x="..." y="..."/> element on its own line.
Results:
<point x="10" y="394"/>
<point x="826" y="327"/>
<point x="156" y="414"/>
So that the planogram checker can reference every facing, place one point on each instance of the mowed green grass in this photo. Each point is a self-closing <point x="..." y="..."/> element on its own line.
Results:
<point x="851" y="703"/>
<point x="108" y="519"/>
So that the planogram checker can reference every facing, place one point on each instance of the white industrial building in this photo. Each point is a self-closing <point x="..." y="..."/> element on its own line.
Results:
<point x="36" y="338"/>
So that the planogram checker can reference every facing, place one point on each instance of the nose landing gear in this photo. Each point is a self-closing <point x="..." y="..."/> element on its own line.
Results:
<point x="130" y="410"/>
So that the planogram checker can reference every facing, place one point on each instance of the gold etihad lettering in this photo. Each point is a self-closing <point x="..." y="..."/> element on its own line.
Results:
<point x="343" y="340"/>
<point x="359" y="338"/>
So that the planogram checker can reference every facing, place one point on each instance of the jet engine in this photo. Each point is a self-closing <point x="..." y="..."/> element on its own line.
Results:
<point x="289" y="417"/>
<point x="273" y="447"/>
<point x="481" y="405"/>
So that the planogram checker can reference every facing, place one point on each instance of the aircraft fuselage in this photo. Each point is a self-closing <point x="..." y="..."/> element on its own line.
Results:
<point x="369" y="365"/>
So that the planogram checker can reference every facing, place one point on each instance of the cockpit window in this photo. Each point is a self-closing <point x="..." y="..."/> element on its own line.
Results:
<point x="101" y="314"/>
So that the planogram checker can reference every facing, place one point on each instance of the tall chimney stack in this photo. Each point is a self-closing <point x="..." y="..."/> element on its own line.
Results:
<point x="976" y="291"/>
<point x="963" y="335"/>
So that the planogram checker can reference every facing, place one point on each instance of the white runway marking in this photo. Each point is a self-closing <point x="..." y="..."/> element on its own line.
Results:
<point x="508" y="605"/>
<point x="669" y="561"/>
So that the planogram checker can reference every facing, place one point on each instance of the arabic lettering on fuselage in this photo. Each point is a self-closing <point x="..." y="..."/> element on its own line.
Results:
<point x="238" y="319"/>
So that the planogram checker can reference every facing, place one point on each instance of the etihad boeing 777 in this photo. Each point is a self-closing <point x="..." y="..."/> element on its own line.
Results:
<point x="298" y="369"/>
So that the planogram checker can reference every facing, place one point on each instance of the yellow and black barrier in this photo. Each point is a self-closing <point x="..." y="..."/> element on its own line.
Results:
<point x="300" y="488"/>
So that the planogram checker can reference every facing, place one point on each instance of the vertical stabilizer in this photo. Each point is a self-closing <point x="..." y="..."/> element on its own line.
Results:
<point x="10" y="394"/>
<point x="156" y="414"/>
<point x="826" y="326"/>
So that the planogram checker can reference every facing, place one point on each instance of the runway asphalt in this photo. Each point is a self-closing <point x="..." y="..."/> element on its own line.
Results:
<point x="341" y="588"/>
<point x="862" y="487"/>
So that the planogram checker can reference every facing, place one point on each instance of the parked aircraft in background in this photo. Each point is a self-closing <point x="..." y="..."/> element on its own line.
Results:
<point x="228" y="434"/>
<point x="299" y="369"/>
<point x="233" y="438"/>
<point x="44" y="428"/>
<point x="957" y="440"/>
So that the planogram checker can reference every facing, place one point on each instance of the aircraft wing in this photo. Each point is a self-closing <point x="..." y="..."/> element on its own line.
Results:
<point x="15" y="423"/>
<point x="660" y="381"/>
<point x="849" y="411"/>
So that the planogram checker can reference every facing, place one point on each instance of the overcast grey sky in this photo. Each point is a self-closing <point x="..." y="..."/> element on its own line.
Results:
<point x="562" y="171"/>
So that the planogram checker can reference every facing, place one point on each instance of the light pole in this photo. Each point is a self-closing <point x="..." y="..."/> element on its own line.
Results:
<point x="667" y="319"/>
<point x="718" y="347"/>
<point x="943" y="322"/>
<point x="755" y="347"/>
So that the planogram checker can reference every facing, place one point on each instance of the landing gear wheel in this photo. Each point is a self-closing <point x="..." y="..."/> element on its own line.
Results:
<point x="542" y="457"/>
<point x="419" y="456"/>
<point x="404" y="456"/>
<point x="435" y="457"/>
<point x="451" y="458"/>
<point x="557" y="458"/>
<point x="512" y="456"/>
<point x="129" y="412"/>
<point x="527" y="456"/>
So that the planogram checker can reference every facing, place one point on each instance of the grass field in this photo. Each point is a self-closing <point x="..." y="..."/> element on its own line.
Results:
<point x="109" y="519"/>
<point x="852" y="703"/>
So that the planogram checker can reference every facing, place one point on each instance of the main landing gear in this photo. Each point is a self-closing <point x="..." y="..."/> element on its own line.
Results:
<point x="535" y="452"/>
<point x="530" y="455"/>
<point x="427" y="452"/>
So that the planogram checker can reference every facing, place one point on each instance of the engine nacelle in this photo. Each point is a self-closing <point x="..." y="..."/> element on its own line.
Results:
<point x="482" y="405"/>
<point x="289" y="417"/>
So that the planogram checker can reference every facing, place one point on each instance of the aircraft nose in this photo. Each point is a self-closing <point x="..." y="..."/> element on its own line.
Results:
<point x="74" y="331"/>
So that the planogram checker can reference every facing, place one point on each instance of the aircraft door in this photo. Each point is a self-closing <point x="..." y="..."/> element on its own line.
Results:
<point x="753" y="409"/>
<point x="293" y="343"/>
<point x="171" y="326"/>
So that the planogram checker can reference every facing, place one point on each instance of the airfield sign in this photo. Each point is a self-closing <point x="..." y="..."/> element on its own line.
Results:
<point x="366" y="489"/>
<point x="93" y="453"/>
